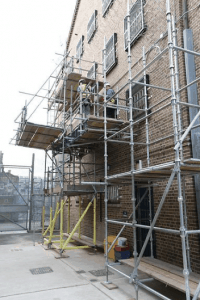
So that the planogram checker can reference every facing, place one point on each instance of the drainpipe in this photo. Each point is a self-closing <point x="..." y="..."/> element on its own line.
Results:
<point x="192" y="94"/>
<point x="185" y="14"/>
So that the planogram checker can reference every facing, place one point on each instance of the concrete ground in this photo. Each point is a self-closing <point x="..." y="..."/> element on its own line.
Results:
<point x="70" y="277"/>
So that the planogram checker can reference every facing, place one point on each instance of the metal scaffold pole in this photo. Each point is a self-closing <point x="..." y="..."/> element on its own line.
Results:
<point x="177" y="156"/>
<point x="147" y="145"/>
<point x="105" y="161"/>
<point x="31" y="191"/>
<point x="133" y="198"/>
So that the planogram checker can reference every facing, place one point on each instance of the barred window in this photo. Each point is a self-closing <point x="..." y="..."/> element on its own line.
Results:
<point x="138" y="98"/>
<point x="92" y="26"/>
<point x="105" y="6"/>
<point x="113" y="194"/>
<point x="92" y="72"/>
<point x="136" y="23"/>
<point x="79" y="48"/>
<point x="111" y="58"/>
<point x="69" y="66"/>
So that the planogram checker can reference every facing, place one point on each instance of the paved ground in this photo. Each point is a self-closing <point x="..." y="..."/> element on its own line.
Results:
<point x="18" y="255"/>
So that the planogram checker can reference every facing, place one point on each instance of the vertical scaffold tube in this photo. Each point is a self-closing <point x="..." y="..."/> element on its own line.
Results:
<point x="61" y="223"/>
<point x="186" y="225"/>
<point x="105" y="161"/>
<point x="147" y="142"/>
<point x="94" y="221"/>
<point x="68" y="219"/>
<point x="177" y="158"/>
<point x="133" y="199"/>
<point x="176" y="65"/>
<point x="43" y="218"/>
<point x="79" y="229"/>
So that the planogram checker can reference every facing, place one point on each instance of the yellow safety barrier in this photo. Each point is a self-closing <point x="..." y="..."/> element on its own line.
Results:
<point x="63" y="244"/>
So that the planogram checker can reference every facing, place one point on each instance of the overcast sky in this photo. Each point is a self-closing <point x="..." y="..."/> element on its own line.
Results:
<point x="31" y="32"/>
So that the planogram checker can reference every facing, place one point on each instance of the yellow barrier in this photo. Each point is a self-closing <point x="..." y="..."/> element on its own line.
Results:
<point x="63" y="244"/>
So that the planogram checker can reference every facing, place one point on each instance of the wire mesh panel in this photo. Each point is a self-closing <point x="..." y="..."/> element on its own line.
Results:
<point x="14" y="199"/>
<point x="92" y="26"/>
<point x="136" y="23"/>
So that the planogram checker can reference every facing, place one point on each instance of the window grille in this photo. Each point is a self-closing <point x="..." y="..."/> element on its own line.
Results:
<point x="92" y="26"/>
<point x="69" y="66"/>
<point x="113" y="194"/>
<point x="92" y="72"/>
<point x="79" y="48"/>
<point x="138" y="98"/>
<point x="136" y="23"/>
<point x="111" y="58"/>
<point x="105" y="6"/>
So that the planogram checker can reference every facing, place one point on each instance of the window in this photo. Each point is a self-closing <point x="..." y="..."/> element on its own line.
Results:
<point x="92" y="72"/>
<point x="69" y="66"/>
<point x="79" y="48"/>
<point x="113" y="194"/>
<point x="138" y="98"/>
<point x="1" y="186"/>
<point x="111" y="59"/>
<point x="92" y="26"/>
<point x="136" y="23"/>
<point x="105" y="6"/>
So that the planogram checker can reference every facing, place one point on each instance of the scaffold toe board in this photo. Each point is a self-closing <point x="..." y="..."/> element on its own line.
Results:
<point x="167" y="273"/>
<point x="38" y="136"/>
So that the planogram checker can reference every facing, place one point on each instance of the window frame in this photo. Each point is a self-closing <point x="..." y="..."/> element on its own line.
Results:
<point x="69" y="68"/>
<point x="143" y="27"/>
<point x="81" y="40"/>
<point x="136" y="88"/>
<point x="106" y="8"/>
<point x="114" y="190"/>
<point x="111" y="66"/>
<point x="94" y="16"/>
<point x="94" y="69"/>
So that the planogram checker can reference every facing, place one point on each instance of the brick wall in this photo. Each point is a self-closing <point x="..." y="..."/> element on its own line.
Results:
<point x="168" y="247"/>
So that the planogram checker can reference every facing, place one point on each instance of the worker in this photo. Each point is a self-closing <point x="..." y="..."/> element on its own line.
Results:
<point x="110" y="112"/>
<point x="85" y="97"/>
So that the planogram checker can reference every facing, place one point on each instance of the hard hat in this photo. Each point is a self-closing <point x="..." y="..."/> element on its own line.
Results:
<point x="107" y="84"/>
<point x="81" y="80"/>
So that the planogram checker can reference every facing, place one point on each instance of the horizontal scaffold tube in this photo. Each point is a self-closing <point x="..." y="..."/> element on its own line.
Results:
<point x="166" y="230"/>
<point x="154" y="168"/>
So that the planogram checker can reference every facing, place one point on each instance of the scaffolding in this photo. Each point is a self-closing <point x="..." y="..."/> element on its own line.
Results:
<point x="71" y="133"/>
<point x="179" y="168"/>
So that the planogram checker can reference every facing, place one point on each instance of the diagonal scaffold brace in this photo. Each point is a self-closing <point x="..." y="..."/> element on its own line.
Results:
<point x="77" y="226"/>
<point x="51" y="227"/>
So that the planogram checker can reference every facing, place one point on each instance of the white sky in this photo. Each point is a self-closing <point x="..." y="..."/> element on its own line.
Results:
<point x="31" y="32"/>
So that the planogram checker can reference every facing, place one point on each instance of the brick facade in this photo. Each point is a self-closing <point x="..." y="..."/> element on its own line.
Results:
<point x="154" y="39"/>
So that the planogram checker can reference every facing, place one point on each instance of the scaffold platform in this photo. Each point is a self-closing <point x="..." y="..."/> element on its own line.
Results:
<point x="37" y="136"/>
<point x="157" y="172"/>
<point x="75" y="190"/>
<point x="169" y="274"/>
